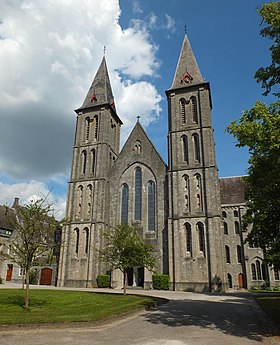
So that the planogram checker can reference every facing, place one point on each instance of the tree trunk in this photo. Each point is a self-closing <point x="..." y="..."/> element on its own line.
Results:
<point x="22" y="279"/>
<point x="125" y="282"/>
<point x="27" y="289"/>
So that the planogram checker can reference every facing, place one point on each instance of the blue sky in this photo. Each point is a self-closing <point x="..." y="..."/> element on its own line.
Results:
<point x="49" y="54"/>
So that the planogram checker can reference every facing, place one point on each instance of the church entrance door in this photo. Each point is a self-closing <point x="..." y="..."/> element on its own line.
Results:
<point x="9" y="273"/>
<point x="240" y="281"/>
<point x="130" y="276"/>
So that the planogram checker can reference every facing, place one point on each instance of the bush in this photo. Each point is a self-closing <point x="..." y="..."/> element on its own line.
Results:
<point x="103" y="280"/>
<point x="160" y="281"/>
<point x="33" y="277"/>
<point x="1" y="280"/>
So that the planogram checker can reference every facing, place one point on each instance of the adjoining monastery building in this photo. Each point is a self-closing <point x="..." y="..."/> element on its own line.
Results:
<point x="192" y="217"/>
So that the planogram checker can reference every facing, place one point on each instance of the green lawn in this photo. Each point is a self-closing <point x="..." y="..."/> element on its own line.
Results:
<point x="272" y="306"/>
<point x="48" y="306"/>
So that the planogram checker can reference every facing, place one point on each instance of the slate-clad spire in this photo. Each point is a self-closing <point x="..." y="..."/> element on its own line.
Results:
<point x="100" y="91"/>
<point x="187" y="71"/>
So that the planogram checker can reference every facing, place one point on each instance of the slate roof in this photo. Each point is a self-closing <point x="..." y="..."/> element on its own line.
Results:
<point x="6" y="213"/>
<point x="187" y="71"/>
<point x="232" y="190"/>
<point x="100" y="91"/>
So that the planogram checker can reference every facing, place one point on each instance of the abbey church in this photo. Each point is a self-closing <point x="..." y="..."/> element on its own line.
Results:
<point x="192" y="217"/>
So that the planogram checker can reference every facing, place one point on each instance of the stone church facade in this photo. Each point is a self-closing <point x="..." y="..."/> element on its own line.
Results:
<point x="192" y="217"/>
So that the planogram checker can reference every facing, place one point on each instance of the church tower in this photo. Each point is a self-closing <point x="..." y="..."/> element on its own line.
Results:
<point x="96" y="148"/>
<point x="195" y="237"/>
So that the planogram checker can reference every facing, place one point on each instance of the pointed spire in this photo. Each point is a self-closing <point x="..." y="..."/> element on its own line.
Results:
<point x="187" y="71"/>
<point x="100" y="91"/>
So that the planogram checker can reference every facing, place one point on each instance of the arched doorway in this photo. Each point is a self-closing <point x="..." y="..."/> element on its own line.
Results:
<point x="240" y="280"/>
<point x="46" y="276"/>
<point x="9" y="273"/>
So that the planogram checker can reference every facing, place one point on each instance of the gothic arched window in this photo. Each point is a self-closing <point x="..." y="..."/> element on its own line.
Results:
<point x="92" y="161"/>
<point x="186" y="187"/>
<point x="239" y="254"/>
<point x="201" y="239"/>
<point x="185" y="148"/>
<point x="259" y="271"/>
<point x="84" y="161"/>
<point x="237" y="229"/>
<point x="196" y="147"/>
<point x="138" y="194"/>
<point x="189" y="238"/>
<point x="77" y="234"/>
<point x="183" y="110"/>
<point x="87" y="127"/>
<point x="86" y="231"/>
<point x="224" y="214"/>
<point x="95" y="126"/>
<point x="199" y="205"/>
<point x="124" y="205"/>
<point x="229" y="280"/>
<point x="194" y="109"/>
<point x="227" y="255"/>
<point x="89" y="198"/>
<point x="235" y="213"/>
<point x="151" y="205"/>
<point x="253" y="272"/>
<point x="80" y="200"/>
<point x="225" y="228"/>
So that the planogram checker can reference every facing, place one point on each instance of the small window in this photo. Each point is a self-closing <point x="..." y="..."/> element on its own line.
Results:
<point x="137" y="146"/>
<point x="189" y="238"/>
<point x="225" y="228"/>
<point x="183" y="110"/>
<point x="235" y="213"/>
<point x="224" y="214"/>
<point x="201" y="237"/>
<point x="227" y="254"/>
<point x="86" y="230"/>
<point x="185" y="148"/>
<point x="239" y="254"/>
<point x="87" y="127"/>
<point x="77" y="233"/>
<point x="276" y="275"/>
<point x="84" y="161"/>
<point x="196" y="147"/>
<point x="194" y="109"/>
<point x="95" y="127"/>
<point x="229" y="280"/>
<point x="237" y="228"/>
<point x="92" y="161"/>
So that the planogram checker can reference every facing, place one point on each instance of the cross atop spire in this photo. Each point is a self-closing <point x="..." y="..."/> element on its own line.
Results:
<point x="187" y="71"/>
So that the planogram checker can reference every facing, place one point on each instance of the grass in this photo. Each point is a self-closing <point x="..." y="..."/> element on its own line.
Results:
<point x="65" y="306"/>
<point x="272" y="306"/>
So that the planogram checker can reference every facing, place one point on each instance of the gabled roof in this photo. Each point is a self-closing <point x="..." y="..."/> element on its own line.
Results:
<point x="100" y="91"/>
<point x="138" y="133"/>
<point x="187" y="71"/>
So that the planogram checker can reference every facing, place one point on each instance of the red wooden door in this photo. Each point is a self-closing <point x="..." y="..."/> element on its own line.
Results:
<point x="46" y="276"/>
<point x="9" y="273"/>
<point x="240" y="281"/>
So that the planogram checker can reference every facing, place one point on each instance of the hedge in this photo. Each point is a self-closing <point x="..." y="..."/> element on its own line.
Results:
<point x="103" y="280"/>
<point x="160" y="281"/>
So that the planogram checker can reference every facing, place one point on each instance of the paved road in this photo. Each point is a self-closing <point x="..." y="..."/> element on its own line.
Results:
<point x="187" y="318"/>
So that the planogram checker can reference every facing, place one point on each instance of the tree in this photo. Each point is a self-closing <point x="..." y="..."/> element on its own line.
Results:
<point x="270" y="76"/>
<point x="259" y="130"/>
<point x="33" y="237"/>
<point x="125" y="249"/>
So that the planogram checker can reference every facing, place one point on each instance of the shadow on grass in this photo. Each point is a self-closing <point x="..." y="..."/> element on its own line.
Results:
<point x="20" y="301"/>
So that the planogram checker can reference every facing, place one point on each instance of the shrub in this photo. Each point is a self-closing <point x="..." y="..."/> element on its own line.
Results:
<point x="33" y="277"/>
<point x="103" y="280"/>
<point x="1" y="280"/>
<point x="160" y="281"/>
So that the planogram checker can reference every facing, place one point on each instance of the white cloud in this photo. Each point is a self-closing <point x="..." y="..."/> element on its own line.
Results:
<point x="136" y="7"/>
<point x="170" y="23"/>
<point x="49" y="53"/>
<point x="33" y="190"/>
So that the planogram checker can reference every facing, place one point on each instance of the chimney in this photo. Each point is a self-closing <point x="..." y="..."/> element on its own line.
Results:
<point x="16" y="203"/>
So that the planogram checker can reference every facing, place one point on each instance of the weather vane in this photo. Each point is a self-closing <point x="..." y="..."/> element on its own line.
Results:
<point x="138" y="118"/>
<point x="185" y="27"/>
<point x="104" y="50"/>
